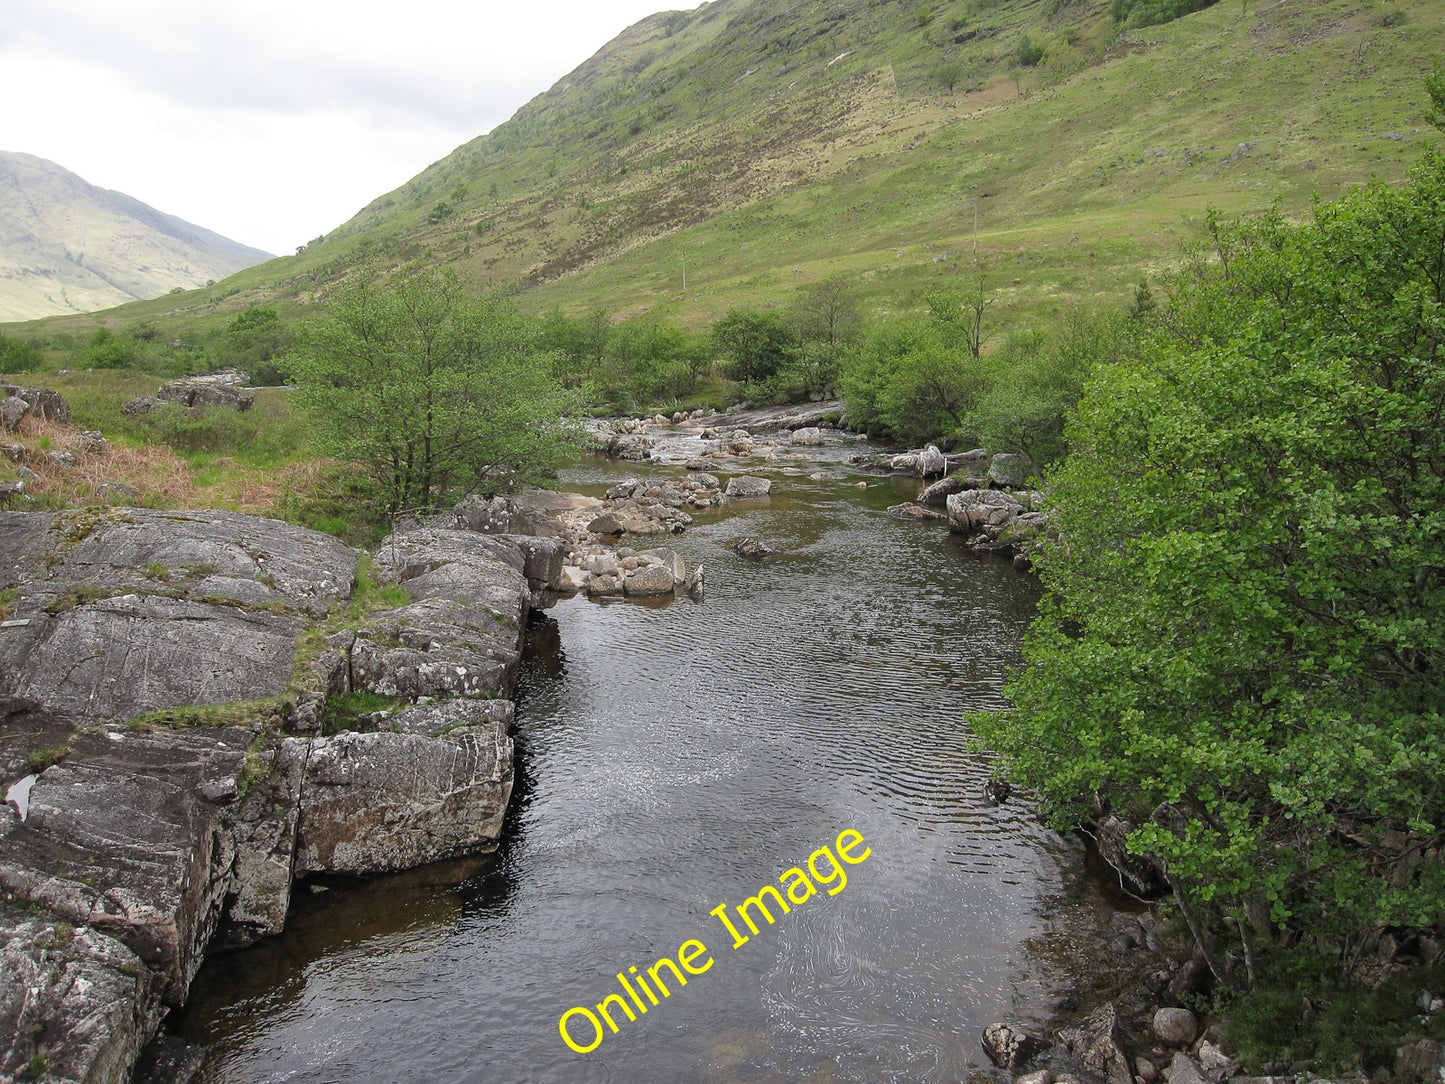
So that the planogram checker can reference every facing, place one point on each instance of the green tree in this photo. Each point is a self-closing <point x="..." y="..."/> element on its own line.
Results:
<point x="19" y="355"/>
<point x="578" y="345"/>
<point x="912" y="380"/>
<point x="433" y="390"/>
<point x="754" y="343"/>
<point x="106" y="350"/>
<point x="825" y="321"/>
<point x="255" y="342"/>
<point x="1243" y="647"/>
<point x="1036" y="381"/>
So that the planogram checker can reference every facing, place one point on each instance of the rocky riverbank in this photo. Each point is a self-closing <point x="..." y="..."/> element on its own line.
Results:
<point x="180" y="744"/>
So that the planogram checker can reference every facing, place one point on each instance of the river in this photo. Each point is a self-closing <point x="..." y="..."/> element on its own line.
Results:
<point x="674" y="758"/>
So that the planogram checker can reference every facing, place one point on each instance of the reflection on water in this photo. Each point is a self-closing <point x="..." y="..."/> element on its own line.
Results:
<point x="676" y="758"/>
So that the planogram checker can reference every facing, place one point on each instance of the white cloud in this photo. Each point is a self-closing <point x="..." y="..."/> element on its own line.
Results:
<point x="275" y="121"/>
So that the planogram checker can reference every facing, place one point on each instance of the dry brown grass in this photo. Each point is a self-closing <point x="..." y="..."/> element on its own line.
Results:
<point x="159" y="476"/>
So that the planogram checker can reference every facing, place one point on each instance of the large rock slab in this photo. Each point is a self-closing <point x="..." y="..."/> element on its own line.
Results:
<point x="118" y="612"/>
<point x="127" y="836"/>
<point x="203" y="555"/>
<point x="73" y="996"/>
<point x="389" y="801"/>
<point x="115" y="658"/>
<point x="439" y="647"/>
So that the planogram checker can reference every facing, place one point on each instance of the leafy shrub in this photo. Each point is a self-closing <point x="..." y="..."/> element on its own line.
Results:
<point x="19" y="356"/>
<point x="1243" y="651"/>
<point x="106" y="350"/>
<point x="1030" y="54"/>
<point x="1137" y="13"/>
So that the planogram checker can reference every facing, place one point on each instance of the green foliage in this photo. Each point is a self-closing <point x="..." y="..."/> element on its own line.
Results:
<point x="1137" y="13"/>
<point x="255" y="342"/>
<point x="1435" y="89"/>
<point x="356" y="711"/>
<point x="1029" y="54"/>
<point x="950" y="74"/>
<point x="577" y="346"/>
<point x="1300" y="1010"/>
<point x="754" y="344"/>
<point x="910" y="380"/>
<point x="1243" y="648"/>
<point x="19" y="355"/>
<point x="1035" y="380"/>
<point x="433" y="390"/>
<point x="105" y="350"/>
<point x="647" y="361"/>
<point x="40" y="759"/>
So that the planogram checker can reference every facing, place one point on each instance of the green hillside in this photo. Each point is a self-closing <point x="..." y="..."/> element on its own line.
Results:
<point x="757" y="146"/>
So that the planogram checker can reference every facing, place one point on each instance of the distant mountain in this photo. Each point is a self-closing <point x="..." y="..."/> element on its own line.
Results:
<point x="67" y="246"/>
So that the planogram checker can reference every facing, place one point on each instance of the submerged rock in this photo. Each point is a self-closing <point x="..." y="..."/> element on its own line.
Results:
<point x="750" y="549"/>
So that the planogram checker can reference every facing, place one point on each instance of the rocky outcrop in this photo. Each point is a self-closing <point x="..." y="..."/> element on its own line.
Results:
<point x="123" y="611"/>
<point x="52" y="971"/>
<point x="18" y="402"/>
<point x="140" y="846"/>
<point x="392" y="801"/>
<point x="997" y="520"/>
<point x="205" y="395"/>
<point x="126" y="835"/>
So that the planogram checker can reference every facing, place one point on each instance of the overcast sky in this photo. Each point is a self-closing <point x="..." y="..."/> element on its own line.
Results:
<point x="274" y="121"/>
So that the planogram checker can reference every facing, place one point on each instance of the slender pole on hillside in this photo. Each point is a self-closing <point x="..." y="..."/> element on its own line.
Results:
<point x="684" y="272"/>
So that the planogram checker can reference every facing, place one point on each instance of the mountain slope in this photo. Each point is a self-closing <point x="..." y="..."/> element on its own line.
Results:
<point x="68" y="246"/>
<point x="765" y="143"/>
<point x="750" y="146"/>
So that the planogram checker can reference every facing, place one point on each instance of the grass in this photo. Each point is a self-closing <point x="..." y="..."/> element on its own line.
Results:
<point x="1299" y="1012"/>
<point x="48" y="757"/>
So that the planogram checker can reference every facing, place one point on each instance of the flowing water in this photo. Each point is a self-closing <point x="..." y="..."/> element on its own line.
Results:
<point x="678" y="757"/>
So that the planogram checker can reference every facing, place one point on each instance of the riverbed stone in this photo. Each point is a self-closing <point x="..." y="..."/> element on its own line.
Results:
<point x="1184" y="1070"/>
<point x="1175" y="1027"/>
<point x="748" y="485"/>
<point x="915" y="513"/>
<point x="1010" y="1047"/>
<point x="669" y="558"/>
<point x="931" y="461"/>
<point x="752" y="549"/>
<point x="936" y="495"/>
<point x="649" y="581"/>
<point x="1097" y="1043"/>
<point x="808" y="436"/>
